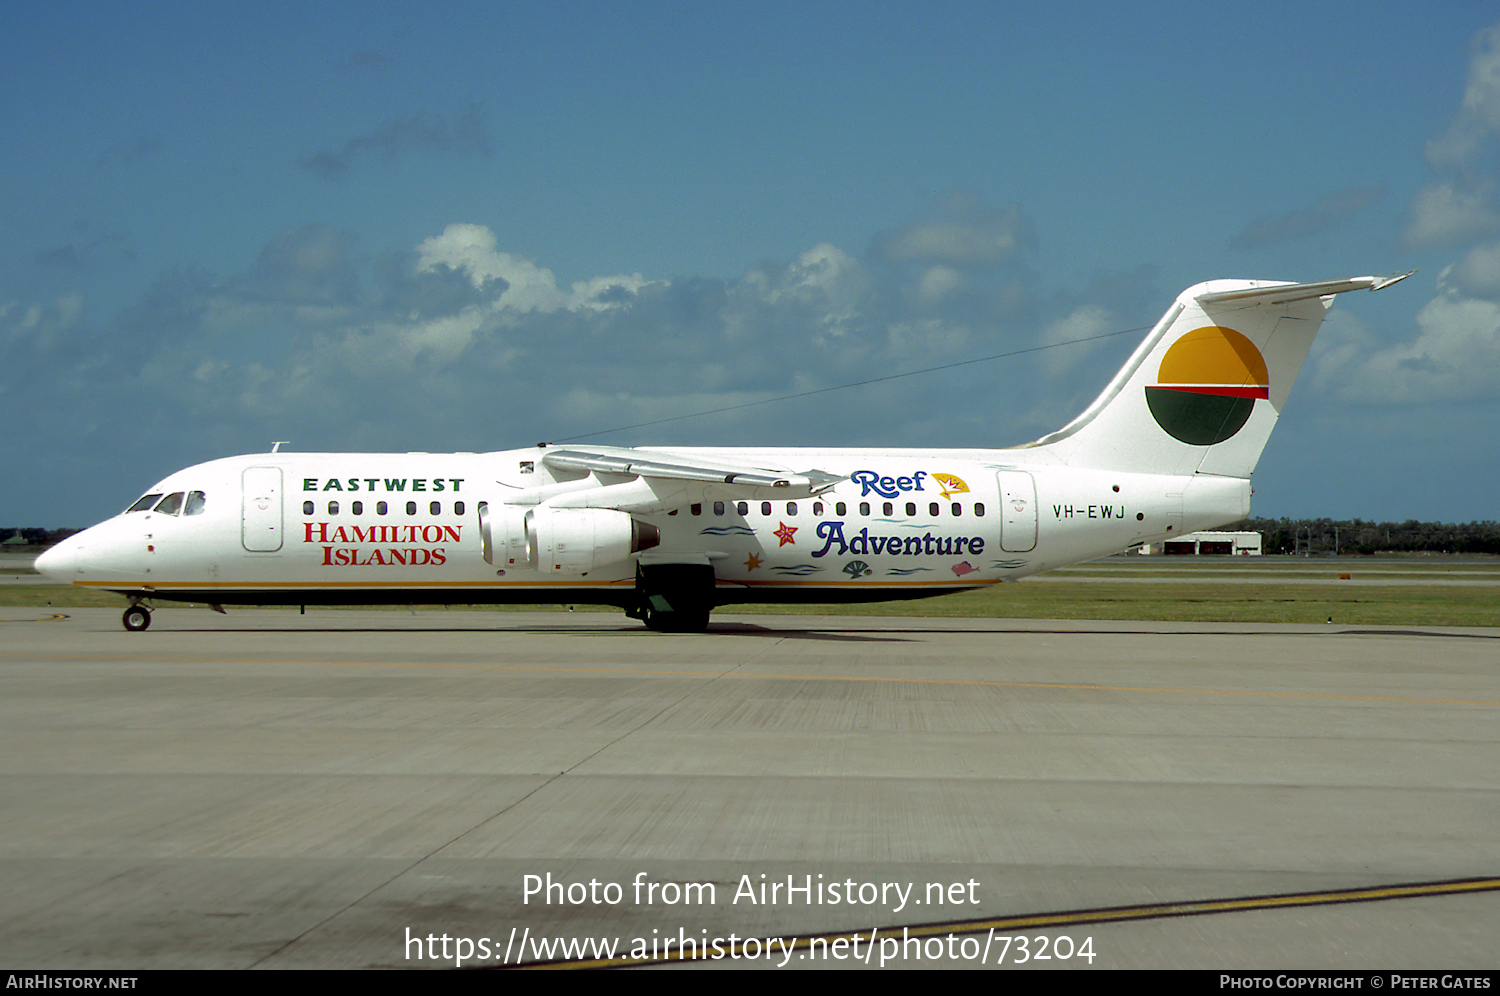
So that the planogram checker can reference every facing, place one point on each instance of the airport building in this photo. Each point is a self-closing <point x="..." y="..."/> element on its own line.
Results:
<point x="1243" y="544"/>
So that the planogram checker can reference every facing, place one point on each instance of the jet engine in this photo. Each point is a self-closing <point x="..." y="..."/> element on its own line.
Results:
<point x="576" y="540"/>
<point x="502" y="532"/>
<point x="561" y="540"/>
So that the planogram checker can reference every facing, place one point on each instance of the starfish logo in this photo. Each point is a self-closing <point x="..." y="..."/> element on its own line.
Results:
<point x="752" y="562"/>
<point x="785" y="534"/>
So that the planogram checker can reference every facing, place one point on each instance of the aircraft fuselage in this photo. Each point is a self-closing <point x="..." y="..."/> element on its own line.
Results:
<point x="369" y="528"/>
<point x="671" y="533"/>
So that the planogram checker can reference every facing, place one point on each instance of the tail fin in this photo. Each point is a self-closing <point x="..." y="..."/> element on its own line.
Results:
<point x="1202" y="393"/>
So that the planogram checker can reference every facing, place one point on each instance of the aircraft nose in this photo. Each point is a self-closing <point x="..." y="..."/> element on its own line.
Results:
<point x="62" y="561"/>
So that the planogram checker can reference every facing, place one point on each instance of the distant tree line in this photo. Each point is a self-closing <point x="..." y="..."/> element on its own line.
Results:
<point x="35" y="536"/>
<point x="1359" y="536"/>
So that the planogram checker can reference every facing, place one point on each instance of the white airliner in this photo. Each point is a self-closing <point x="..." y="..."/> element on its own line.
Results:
<point x="669" y="534"/>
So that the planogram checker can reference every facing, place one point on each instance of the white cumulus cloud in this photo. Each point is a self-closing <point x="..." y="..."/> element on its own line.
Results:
<point x="1458" y="206"/>
<point x="1451" y="212"/>
<point x="1478" y="273"/>
<point x="1084" y="323"/>
<point x="1455" y="356"/>
<point x="1478" y="117"/>
<point x="962" y="232"/>
<point x="471" y="249"/>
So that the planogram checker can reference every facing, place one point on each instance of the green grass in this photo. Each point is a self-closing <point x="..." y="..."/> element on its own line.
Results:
<point x="1397" y="605"/>
<point x="66" y="597"/>
<point x="60" y="596"/>
<point x="1269" y="566"/>
<point x="1392" y="605"/>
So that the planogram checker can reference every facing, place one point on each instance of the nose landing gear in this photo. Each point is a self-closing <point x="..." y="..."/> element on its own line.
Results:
<point x="137" y="618"/>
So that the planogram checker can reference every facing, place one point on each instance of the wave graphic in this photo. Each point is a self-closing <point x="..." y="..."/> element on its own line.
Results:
<point x="727" y="531"/>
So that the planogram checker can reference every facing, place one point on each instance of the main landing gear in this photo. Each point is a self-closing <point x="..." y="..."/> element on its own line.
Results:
<point x="137" y="618"/>
<point x="674" y="598"/>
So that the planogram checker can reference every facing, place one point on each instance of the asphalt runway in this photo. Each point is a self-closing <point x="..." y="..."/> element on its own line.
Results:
<point x="272" y="790"/>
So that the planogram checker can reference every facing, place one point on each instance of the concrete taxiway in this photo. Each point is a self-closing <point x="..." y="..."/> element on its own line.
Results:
<point x="266" y="789"/>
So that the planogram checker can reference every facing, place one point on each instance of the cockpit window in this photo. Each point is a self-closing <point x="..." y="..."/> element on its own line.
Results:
<point x="196" y="501"/>
<point x="170" y="505"/>
<point x="145" y="503"/>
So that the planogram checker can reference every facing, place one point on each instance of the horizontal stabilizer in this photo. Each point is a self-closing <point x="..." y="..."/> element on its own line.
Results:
<point x="1282" y="293"/>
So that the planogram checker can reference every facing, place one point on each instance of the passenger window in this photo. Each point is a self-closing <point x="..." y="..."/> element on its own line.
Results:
<point x="911" y="508"/>
<point x="765" y="508"/>
<point x="411" y="508"/>
<point x="718" y="508"/>
<point x="380" y="508"/>
<point x="458" y="508"/>
<point x="979" y="508"/>
<point x="196" y="500"/>
<point x="307" y="508"/>
<point x="932" y="509"/>
<point x="357" y="507"/>
<point x="743" y="508"/>
<point x="436" y="508"/>
<point x="817" y="508"/>
<point x="145" y="502"/>
<point x="791" y="508"/>
<point x="958" y="509"/>
<point x="864" y="508"/>
<point x="840" y="508"/>
<point x="170" y="505"/>
<point x="696" y="509"/>
<point x="890" y="509"/>
<point x="333" y="508"/>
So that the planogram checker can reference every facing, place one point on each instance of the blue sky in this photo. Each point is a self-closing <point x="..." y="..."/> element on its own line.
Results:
<point x="471" y="227"/>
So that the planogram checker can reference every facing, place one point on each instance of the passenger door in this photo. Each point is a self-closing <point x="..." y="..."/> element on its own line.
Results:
<point x="261" y="522"/>
<point x="1017" y="511"/>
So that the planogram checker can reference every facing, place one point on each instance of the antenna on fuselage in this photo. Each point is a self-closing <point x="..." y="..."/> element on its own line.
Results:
<point x="276" y="446"/>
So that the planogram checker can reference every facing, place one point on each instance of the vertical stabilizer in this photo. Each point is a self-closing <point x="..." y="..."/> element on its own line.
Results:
<point x="1202" y="393"/>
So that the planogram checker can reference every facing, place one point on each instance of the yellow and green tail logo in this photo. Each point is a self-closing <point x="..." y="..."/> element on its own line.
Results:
<point x="1208" y="383"/>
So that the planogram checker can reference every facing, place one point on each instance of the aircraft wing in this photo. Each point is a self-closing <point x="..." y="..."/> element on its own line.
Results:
<point x="659" y="466"/>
